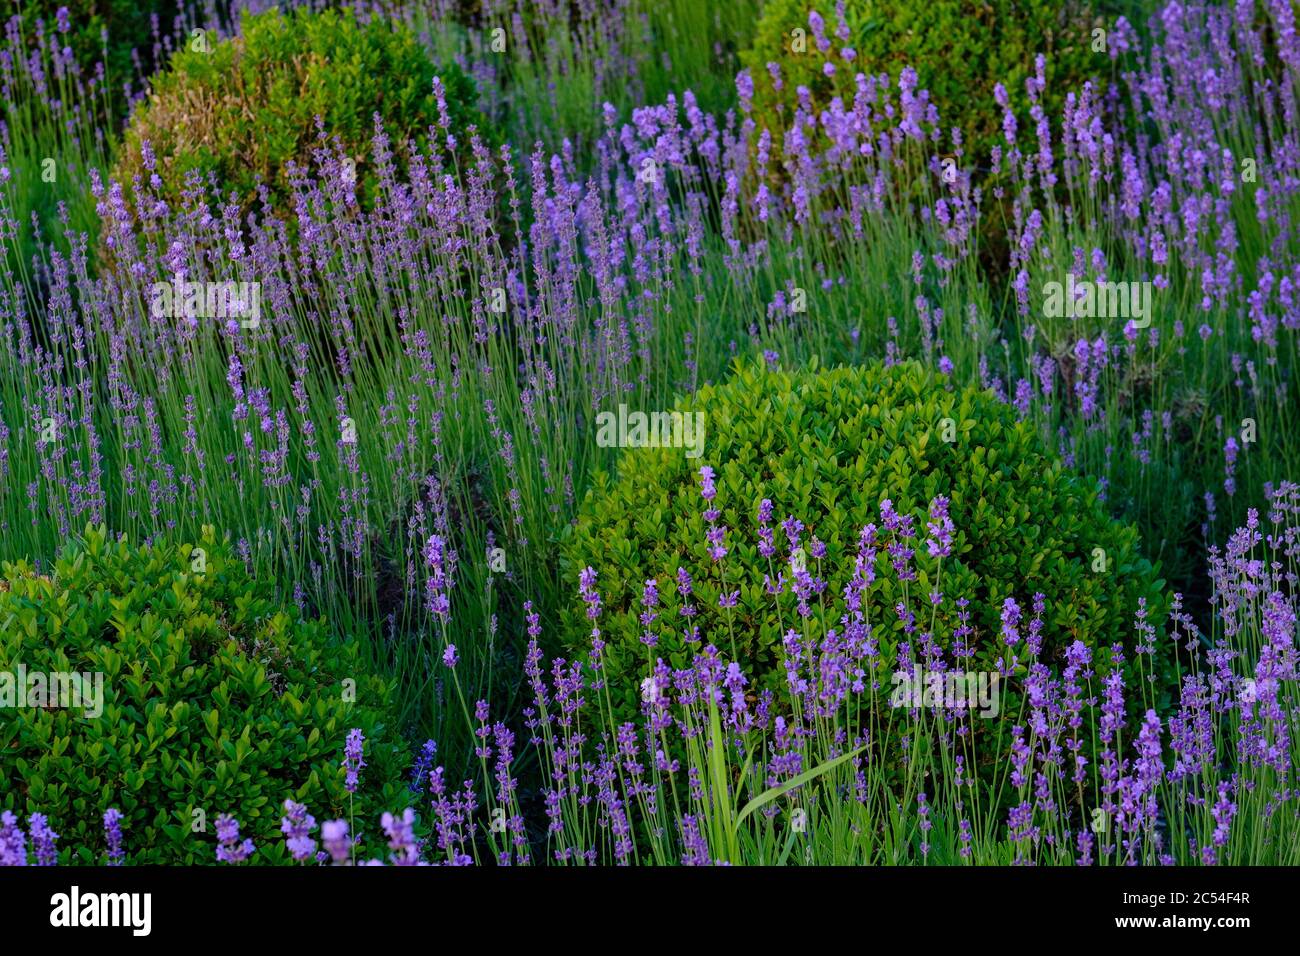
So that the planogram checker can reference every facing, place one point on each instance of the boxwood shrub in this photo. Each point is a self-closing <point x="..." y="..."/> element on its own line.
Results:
<point x="960" y="49"/>
<point x="242" y="110"/>
<point x="215" y="700"/>
<point x="826" y="446"/>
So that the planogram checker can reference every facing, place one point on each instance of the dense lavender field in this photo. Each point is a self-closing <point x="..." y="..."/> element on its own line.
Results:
<point x="580" y="432"/>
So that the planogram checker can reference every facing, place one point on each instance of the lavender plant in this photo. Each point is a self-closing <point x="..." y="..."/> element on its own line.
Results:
<point x="712" y="773"/>
<point x="400" y="435"/>
<point x="805" y="458"/>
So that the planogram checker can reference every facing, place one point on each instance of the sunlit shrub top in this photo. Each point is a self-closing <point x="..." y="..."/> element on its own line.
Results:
<point x="244" y="109"/>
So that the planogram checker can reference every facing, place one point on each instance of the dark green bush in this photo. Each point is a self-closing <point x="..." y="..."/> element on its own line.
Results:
<point x="214" y="699"/>
<point x="960" y="50"/>
<point x="245" y="108"/>
<point x="826" y="447"/>
<point x="127" y="23"/>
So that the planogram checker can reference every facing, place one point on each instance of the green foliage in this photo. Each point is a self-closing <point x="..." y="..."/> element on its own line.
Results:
<point x="555" y="70"/>
<point x="826" y="447"/>
<point x="960" y="50"/>
<point x="127" y="24"/>
<point x="242" y="110"/>
<point x="214" y="698"/>
<point x="55" y="124"/>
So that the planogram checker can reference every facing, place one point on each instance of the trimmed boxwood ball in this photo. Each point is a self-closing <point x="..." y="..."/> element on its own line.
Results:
<point x="826" y="446"/>
<point x="244" y="109"/>
<point x="960" y="49"/>
<point x="215" y="699"/>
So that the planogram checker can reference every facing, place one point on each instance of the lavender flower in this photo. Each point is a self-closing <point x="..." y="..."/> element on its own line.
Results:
<point x="337" y="842"/>
<point x="13" y="842"/>
<point x="401" y="838"/>
<point x="44" y="840"/>
<point x="297" y="825"/>
<point x="113" y="835"/>
<point x="229" y="847"/>
<point x="940" y="528"/>
<point x="649" y="601"/>
<point x="352" y="759"/>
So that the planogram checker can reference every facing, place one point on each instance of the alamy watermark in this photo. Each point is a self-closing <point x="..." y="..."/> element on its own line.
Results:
<point x="951" y="690"/>
<point x="74" y="909"/>
<point x="651" y="430"/>
<point x="207" y="300"/>
<point x="1103" y="300"/>
<point x="62" y="690"/>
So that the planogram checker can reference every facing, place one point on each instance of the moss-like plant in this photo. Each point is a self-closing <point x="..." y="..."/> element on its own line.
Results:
<point x="214" y="699"/>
